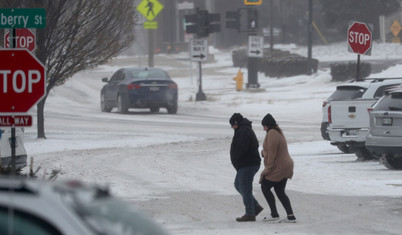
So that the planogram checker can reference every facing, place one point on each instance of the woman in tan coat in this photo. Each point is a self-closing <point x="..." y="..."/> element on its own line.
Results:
<point x="278" y="169"/>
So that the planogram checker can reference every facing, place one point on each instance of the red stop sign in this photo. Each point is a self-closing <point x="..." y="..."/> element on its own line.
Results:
<point x="24" y="39"/>
<point x="22" y="81"/>
<point x="359" y="38"/>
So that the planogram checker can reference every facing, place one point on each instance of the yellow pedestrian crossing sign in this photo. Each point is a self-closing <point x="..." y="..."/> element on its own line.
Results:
<point x="150" y="8"/>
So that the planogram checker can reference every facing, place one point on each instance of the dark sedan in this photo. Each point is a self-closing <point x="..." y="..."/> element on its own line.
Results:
<point x="139" y="88"/>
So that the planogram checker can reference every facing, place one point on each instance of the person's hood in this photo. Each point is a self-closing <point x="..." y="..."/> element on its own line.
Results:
<point x="245" y="122"/>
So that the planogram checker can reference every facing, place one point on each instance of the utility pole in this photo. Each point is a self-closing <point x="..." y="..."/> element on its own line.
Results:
<point x="310" y="37"/>
<point x="271" y="28"/>
<point x="151" y="48"/>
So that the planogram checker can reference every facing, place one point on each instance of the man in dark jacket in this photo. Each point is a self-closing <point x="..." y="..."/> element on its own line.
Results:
<point x="246" y="160"/>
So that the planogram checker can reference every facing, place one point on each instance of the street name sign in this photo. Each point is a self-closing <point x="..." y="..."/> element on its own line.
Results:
<point x="255" y="46"/>
<point x="359" y="38"/>
<point x="22" y="81"/>
<point x="24" y="39"/>
<point x="23" y="18"/>
<point x="199" y="50"/>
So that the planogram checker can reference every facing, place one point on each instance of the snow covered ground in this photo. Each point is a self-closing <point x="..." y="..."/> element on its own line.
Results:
<point x="176" y="168"/>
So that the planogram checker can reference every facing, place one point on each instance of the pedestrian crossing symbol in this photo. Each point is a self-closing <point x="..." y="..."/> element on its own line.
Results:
<point x="150" y="8"/>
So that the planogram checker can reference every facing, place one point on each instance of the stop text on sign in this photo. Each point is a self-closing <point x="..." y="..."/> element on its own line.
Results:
<point x="19" y="80"/>
<point x="360" y="38"/>
<point x="22" y="42"/>
<point x="24" y="38"/>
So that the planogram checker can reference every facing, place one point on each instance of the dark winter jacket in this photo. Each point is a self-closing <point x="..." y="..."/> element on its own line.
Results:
<point x="244" y="148"/>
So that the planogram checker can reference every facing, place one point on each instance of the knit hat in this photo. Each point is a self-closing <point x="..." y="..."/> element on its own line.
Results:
<point x="268" y="121"/>
<point x="236" y="119"/>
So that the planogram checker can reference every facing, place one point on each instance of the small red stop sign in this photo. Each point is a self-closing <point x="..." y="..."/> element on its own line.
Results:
<point x="24" y="39"/>
<point x="22" y="81"/>
<point x="359" y="38"/>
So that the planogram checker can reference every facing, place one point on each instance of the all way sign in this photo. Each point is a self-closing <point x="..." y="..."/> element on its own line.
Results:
<point x="16" y="120"/>
<point x="199" y="50"/>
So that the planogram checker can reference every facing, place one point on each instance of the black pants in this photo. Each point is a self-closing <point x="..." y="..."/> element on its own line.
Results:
<point x="279" y="188"/>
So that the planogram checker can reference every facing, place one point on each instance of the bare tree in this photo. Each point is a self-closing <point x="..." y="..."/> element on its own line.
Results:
<point x="79" y="34"/>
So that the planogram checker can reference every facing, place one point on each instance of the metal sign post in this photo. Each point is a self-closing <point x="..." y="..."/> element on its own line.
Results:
<point x="199" y="53"/>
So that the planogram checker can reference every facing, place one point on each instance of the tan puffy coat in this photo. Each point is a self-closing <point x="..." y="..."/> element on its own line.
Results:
<point x="277" y="161"/>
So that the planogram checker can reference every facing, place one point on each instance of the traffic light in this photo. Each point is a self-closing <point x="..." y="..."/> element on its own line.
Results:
<point x="233" y="20"/>
<point x="203" y="23"/>
<point x="252" y="2"/>
<point x="214" y="22"/>
<point x="252" y="19"/>
<point x="193" y="27"/>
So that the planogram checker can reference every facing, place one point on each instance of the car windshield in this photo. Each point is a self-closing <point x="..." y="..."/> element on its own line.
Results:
<point x="105" y="214"/>
<point x="347" y="93"/>
<point x="391" y="102"/>
<point x="148" y="74"/>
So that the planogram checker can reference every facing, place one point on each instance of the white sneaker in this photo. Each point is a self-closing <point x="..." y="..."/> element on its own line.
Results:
<point x="286" y="220"/>
<point x="271" y="219"/>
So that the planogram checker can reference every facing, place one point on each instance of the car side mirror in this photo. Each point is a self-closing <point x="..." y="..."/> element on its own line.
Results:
<point x="104" y="80"/>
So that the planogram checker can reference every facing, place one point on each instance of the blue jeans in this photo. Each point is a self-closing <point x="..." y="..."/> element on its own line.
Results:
<point x="244" y="185"/>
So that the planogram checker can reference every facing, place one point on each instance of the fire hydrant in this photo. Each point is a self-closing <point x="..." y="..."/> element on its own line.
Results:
<point x="239" y="80"/>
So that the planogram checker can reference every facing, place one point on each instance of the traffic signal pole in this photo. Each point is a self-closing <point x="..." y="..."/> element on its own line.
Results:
<point x="252" y="62"/>
<point x="200" y="96"/>
<point x="202" y="24"/>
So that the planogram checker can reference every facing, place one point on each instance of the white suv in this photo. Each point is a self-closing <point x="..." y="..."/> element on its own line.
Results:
<point x="385" y="138"/>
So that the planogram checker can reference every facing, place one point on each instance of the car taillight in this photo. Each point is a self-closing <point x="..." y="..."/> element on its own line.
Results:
<point x="329" y="114"/>
<point x="324" y="103"/>
<point x="173" y="86"/>
<point x="133" y="86"/>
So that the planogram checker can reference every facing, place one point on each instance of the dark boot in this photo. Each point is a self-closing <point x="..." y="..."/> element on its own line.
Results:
<point x="246" y="218"/>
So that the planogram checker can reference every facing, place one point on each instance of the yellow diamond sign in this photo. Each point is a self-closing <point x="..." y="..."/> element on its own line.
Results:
<point x="395" y="28"/>
<point x="150" y="8"/>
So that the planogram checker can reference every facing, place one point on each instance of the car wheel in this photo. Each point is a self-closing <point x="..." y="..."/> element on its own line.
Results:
<point x="154" y="109"/>
<point x="344" y="148"/>
<point x="364" y="154"/>
<point x="393" y="162"/>
<point x="172" y="109"/>
<point x="121" y="105"/>
<point x="104" y="107"/>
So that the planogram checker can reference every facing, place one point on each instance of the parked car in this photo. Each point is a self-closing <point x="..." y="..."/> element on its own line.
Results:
<point x="139" y="88"/>
<point x="29" y="206"/>
<point x="385" y="137"/>
<point x="6" y="150"/>
<point x="346" y="112"/>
